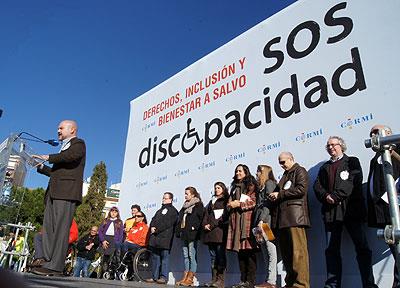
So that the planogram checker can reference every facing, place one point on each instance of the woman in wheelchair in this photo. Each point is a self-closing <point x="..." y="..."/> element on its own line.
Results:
<point x="111" y="235"/>
<point x="136" y="239"/>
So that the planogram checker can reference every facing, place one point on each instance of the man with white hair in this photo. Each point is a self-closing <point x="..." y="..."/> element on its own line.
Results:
<point x="63" y="194"/>
<point x="339" y="188"/>
<point x="378" y="204"/>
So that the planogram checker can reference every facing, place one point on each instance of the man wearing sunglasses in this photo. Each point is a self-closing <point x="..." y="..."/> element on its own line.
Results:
<point x="378" y="204"/>
<point x="339" y="188"/>
<point x="290" y="218"/>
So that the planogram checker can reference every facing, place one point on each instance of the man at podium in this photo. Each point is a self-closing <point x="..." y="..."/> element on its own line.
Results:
<point x="63" y="195"/>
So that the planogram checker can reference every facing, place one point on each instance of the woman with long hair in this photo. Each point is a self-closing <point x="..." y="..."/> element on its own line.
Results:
<point x="267" y="184"/>
<point x="188" y="229"/>
<point x="215" y="232"/>
<point x="111" y="235"/>
<point x="241" y="204"/>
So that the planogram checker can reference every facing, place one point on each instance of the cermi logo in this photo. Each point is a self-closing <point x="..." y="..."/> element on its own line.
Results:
<point x="205" y="166"/>
<point x="141" y="184"/>
<point x="182" y="172"/>
<point x="233" y="157"/>
<point x="304" y="136"/>
<point x="159" y="179"/>
<point x="267" y="147"/>
<point x="354" y="121"/>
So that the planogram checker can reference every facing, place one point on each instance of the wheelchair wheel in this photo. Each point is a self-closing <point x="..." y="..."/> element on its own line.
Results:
<point x="107" y="275"/>
<point x="142" y="264"/>
<point x="123" y="276"/>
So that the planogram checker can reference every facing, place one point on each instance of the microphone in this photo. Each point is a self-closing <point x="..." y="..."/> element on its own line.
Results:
<point x="51" y="142"/>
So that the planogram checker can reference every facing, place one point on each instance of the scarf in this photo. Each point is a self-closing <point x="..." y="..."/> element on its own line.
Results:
<point x="240" y="220"/>
<point x="188" y="209"/>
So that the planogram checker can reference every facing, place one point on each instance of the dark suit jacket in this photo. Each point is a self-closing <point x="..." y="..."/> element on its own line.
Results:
<point x="378" y="209"/>
<point x="66" y="174"/>
<point x="347" y="191"/>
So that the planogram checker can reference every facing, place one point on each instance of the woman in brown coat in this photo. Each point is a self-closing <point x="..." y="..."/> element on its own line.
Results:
<point x="241" y="204"/>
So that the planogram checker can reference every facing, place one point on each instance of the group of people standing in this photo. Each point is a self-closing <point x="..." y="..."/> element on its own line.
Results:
<point x="228" y="221"/>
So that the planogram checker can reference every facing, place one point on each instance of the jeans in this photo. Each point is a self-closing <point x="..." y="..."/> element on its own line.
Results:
<point x="130" y="246"/>
<point x="217" y="255"/>
<point x="160" y="258"/>
<point x="356" y="231"/>
<point x="270" y="258"/>
<point x="189" y="249"/>
<point x="81" y="264"/>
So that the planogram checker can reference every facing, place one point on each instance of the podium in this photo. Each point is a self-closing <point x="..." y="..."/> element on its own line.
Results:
<point x="15" y="160"/>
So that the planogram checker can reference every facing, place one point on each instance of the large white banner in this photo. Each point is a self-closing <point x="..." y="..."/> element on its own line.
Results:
<point x="315" y="69"/>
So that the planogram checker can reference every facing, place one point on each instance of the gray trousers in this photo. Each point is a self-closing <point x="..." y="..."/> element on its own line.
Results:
<point x="57" y="221"/>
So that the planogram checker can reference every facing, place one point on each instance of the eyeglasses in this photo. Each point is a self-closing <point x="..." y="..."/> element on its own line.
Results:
<point x="137" y="216"/>
<point x="282" y="162"/>
<point x="331" y="145"/>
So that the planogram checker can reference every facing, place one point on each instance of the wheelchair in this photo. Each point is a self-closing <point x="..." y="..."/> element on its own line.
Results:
<point x="133" y="266"/>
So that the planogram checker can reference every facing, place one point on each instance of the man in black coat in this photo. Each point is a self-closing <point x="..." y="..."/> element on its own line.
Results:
<point x="378" y="207"/>
<point x="63" y="194"/>
<point x="339" y="188"/>
<point x="162" y="228"/>
<point x="86" y="247"/>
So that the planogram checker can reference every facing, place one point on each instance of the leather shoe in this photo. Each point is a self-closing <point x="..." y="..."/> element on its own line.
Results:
<point x="150" y="280"/>
<point x="45" y="272"/>
<point x="38" y="262"/>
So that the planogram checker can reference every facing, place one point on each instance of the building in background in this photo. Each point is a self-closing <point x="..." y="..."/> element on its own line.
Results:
<point x="112" y="197"/>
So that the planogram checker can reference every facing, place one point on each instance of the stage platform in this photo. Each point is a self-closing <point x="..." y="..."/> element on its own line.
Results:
<point x="36" y="281"/>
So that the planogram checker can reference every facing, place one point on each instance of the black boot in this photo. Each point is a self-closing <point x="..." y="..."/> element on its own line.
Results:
<point x="213" y="278"/>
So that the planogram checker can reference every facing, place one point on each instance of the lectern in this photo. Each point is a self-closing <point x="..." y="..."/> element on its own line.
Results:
<point x="15" y="160"/>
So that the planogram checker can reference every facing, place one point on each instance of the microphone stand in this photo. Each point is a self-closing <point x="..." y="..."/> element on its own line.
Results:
<point x="52" y="142"/>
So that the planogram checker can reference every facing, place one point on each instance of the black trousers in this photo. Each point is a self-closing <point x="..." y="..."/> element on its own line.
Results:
<point x="248" y="265"/>
<point x="357" y="234"/>
<point x="57" y="221"/>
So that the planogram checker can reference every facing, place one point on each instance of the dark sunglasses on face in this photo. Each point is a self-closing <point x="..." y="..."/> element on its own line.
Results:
<point x="282" y="162"/>
<point x="137" y="216"/>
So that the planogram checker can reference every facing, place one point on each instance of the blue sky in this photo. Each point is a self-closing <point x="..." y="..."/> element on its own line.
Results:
<point x="86" y="60"/>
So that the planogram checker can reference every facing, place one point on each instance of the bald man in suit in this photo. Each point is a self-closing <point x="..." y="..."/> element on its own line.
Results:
<point x="63" y="195"/>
